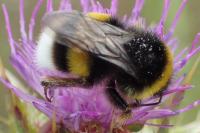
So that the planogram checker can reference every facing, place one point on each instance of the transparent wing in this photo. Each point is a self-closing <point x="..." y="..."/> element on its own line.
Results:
<point x="75" y="29"/>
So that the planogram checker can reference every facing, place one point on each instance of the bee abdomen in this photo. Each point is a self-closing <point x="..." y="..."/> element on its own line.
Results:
<point x="53" y="55"/>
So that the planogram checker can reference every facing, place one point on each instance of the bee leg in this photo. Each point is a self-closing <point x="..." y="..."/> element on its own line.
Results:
<point x="139" y="104"/>
<point x="117" y="99"/>
<point x="136" y="104"/>
<point x="52" y="82"/>
<point x="155" y="103"/>
<point x="119" y="102"/>
<point x="46" y="94"/>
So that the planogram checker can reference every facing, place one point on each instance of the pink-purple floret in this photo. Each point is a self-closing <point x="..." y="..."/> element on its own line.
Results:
<point x="75" y="105"/>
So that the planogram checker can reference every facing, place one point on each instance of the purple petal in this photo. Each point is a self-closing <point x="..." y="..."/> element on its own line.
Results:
<point x="178" y="89"/>
<point x="173" y="49"/>
<point x="178" y="57"/>
<point x="160" y="26"/>
<point x="175" y="21"/>
<point x="158" y="113"/>
<point x="65" y="5"/>
<point x="62" y="5"/>
<point x="33" y="18"/>
<point x="179" y="65"/>
<point x="24" y="96"/>
<point x="9" y="31"/>
<point x="94" y="5"/>
<point x="178" y="97"/>
<point x="22" y="22"/>
<point x="172" y="42"/>
<point x="48" y="109"/>
<point x="49" y="7"/>
<point x="136" y="10"/>
<point x="85" y="5"/>
<point x="178" y="82"/>
<point x="114" y="7"/>
<point x="28" y="74"/>
<point x="195" y="42"/>
<point x="100" y="7"/>
<point x="189" y="107"/>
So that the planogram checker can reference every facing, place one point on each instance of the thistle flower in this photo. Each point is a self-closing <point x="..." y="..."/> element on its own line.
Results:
<point x="78" y="109"/>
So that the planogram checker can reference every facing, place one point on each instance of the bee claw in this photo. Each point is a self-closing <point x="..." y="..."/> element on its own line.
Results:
<point x="46" y="87"/>
<point x="49" y="99"/>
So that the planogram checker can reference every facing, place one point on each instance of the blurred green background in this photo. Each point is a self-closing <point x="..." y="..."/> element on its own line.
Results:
<point x="187" y="27"/>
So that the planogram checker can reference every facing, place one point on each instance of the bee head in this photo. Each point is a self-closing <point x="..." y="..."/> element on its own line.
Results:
<point x="148" y="54"/>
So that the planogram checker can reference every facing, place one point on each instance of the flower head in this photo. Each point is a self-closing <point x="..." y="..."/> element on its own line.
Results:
<point x="75" y="108"/>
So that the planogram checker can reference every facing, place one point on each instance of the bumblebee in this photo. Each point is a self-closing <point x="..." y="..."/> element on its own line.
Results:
<point x="95" y="46"/>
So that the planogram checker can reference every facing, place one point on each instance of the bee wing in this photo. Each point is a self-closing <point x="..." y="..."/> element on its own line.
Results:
<point x="75" y="29"/>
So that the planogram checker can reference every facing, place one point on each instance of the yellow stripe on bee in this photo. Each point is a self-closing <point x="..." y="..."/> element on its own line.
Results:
<point x="78" y="62"/>
<point x="161" y="82"/>
<point x="99" y="16"/>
